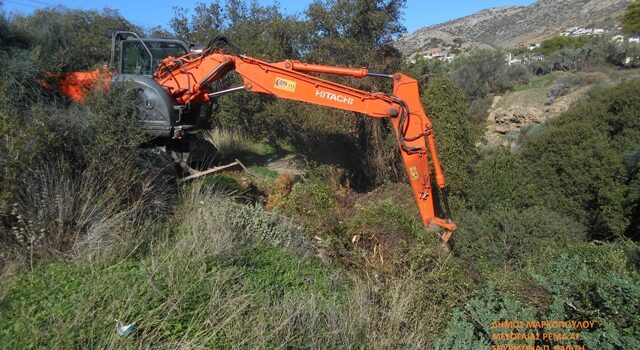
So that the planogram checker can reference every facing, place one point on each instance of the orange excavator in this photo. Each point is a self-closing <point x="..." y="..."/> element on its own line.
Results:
<point x="175" y="85"/>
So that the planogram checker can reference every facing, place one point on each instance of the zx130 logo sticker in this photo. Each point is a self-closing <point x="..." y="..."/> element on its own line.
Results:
<point x="284" y="84"/>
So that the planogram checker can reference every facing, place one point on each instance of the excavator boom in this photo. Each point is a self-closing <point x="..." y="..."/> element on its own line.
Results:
<point x="188" y="79"/>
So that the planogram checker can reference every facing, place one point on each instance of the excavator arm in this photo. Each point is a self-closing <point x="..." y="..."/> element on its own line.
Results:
<point x="188" y="80"/>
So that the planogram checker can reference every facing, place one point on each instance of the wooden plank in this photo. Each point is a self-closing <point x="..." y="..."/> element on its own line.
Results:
<point x="198" y="174"/>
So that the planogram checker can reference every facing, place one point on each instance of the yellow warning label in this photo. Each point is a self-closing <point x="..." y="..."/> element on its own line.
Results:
<point x="414" y="173"/>
<point x="284" y="84"/>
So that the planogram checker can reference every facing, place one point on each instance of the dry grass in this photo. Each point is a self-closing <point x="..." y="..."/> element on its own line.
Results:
<point x="81" y="215"/>
<point x="229" y="142"/>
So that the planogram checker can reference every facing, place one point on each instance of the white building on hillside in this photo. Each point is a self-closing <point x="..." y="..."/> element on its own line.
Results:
<point x="579" y="31"/>
<point x="511" y="59"/>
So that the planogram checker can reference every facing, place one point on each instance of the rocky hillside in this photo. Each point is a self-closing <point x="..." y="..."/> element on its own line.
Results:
<point x="513" y="26"/>
<point x="516" y="113"/>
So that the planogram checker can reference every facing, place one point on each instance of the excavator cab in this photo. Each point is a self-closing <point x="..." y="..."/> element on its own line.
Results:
<point x="135" y="59"/>
<point x="141" y="56"/>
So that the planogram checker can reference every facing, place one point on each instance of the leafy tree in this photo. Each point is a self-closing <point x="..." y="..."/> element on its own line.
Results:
<point x="552" y="45"/>
<point x="568" y="59"/>
<point x="65" y="40"/>
<point x="631" y="19"/>
<point x="260" y="31"/>
<point x="158" y="32"/>
<point x="603" y="50"/>
<point x="205" y="24"/>
<point x="264" y="31"/>
<point x="179" y="23"/>
<point x="512" y="76"/>
<point x="10" y="37"/>
<point x="572" y="54"/>
<point x="478" y="73"/>
<point x="424" y="68"/>
<point x="356" y="32"/>
<point x="360" y="33"/>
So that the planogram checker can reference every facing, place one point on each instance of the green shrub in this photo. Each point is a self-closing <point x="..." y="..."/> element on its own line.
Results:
<point x="552" y="45"/>
<point x="585" y="281"/>
<point x="479" y="110"/>
<point x="597" y="282"/>
<point x="461" y="335"/>
<point x="447" y="106"/>
<point x="314" y="203"/>
<point x="54" y="197"/>
<point x="382" y="233"/>
<point x="205" y="208"/>
<point x="631" y="19"/>
<point x="470" y="326"/>
<point x="632" y="164"/>
<point x="505" y="236"/>
<point x="581" y="155"/>
<point x="58" y="212"/>
<point x="500" y="177"/>
<point x="514" y="75"/>
<point x="484" y="72"/>
<point x="74" y="181"/>
<point x="385" y="216"/>
<point x="266" y="226"/>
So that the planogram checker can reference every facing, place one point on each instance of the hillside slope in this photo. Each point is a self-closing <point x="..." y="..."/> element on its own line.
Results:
<point x="513" y="115"/>
<point x="513" y="26"/>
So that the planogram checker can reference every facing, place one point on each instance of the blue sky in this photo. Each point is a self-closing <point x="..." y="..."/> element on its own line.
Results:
<point x="146" y="13"/>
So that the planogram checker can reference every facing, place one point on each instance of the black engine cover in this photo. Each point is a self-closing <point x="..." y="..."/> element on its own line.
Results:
<point x="155" y="107"/>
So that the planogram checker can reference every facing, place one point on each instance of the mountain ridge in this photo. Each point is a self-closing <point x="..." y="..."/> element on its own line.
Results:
<point x="512" y="26"/>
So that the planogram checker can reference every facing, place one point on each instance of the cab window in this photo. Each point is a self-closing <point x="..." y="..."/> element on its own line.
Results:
<point x="135" y="59"/>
